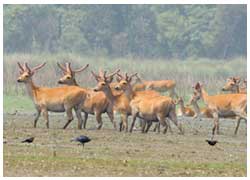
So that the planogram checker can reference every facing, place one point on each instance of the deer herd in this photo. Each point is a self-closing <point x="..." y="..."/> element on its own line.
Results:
<point x="131" y="96"/>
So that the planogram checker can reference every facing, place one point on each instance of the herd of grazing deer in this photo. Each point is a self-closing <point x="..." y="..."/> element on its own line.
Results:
<point x="138" y="98"/>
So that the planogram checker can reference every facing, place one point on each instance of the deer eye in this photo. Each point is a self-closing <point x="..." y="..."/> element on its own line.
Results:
<point x="26" y="76"/>
<point x="103" y="84"/>
<point x="68" y="77"/>
<point x="124" y="83"/>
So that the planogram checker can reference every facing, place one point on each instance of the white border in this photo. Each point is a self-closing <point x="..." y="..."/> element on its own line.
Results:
<point x="117" y="2"/>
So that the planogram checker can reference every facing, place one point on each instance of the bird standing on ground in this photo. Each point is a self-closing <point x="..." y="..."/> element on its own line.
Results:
<point x="82" y="139"/>
<point x="211" y="142"/>
<point x="28" y="140"/>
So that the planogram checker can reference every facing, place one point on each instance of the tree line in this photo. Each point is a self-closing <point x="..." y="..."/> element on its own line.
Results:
<point x="145" y="31"/>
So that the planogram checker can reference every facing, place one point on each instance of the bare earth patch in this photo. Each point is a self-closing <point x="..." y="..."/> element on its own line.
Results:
<point x="111" y="153"/>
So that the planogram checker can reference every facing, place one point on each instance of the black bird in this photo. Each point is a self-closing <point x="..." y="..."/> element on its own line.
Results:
<point x="28" y="140"/>
<point x="211" y="142"/>
<point x="82" y="139"/>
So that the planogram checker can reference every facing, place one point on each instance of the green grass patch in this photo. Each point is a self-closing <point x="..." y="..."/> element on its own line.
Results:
<point x="130" y="166"/>
<point x="19" y="103"/>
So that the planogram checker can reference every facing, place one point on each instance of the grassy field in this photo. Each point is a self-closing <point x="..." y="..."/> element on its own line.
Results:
<point x="212" y="73"/>
<point x="111" y="153"/>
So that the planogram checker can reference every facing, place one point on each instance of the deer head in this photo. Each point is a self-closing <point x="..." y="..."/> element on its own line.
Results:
<point x="69" y="74"/>
<point x="26" y="72"/>
<point x="103" y="80"/>
<point x="232" y="84"/>
<point x="124" y="81"/>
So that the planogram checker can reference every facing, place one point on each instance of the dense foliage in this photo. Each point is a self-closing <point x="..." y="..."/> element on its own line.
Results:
<point x="145" y="31"/>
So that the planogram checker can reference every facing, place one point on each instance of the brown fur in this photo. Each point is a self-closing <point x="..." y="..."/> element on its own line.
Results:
<point x="184" y="110"/>
<point x="59" y="99"/>
<point x="223" y="105"/>
<point x="160" y="85"/>
<point x="233" y="85"/>
<point x="96" y="103"/>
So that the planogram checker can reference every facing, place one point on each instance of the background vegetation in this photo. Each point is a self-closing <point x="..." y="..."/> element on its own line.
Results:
<point x="187" y="43"/>
<point x="145" y="31"/>
<point x="210" y="72"/>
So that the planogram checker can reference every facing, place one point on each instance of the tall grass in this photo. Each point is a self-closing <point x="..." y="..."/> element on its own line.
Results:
<point x="212" y="73"/>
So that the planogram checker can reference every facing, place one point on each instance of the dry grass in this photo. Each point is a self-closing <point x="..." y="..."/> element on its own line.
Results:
<point x="212" y="73"/>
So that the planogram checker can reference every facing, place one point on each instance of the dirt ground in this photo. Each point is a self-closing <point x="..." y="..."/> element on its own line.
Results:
<point x="113" y="153"/>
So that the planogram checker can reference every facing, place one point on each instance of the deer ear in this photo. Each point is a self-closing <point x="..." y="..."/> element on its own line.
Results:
<point x="197" y="86"/>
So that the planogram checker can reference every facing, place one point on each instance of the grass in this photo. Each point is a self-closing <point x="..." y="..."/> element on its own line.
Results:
<point x="128" y="167"/>
<point x="19" y="103"/>
<point x="211" y="72"/>
<point x="111" y="153"/>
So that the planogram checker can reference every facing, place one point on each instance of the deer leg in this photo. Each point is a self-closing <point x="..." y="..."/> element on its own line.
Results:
<point x="37" y="117"/>
<point x="85" y="120"/>
<point x="173" y="118"/>
<point x="111" y="117"/>
<point x="237" y="126"/>
<point x="78" y="112"/>
<point x="164" y="124"/>
<point x="168" y="124"/>
<point x="46" y="117"/>
<point x="121" y="127"/>
<point x="156" y="127"/>
<point x="99" y="120"/>
<point x="149" y="123"/>
<point x="216" y="123"/>
<point x="70" y="117"/>
<point x="133" y="122"/>
<point x="125" y="121"/>
<point x="159" y="127"/>
<point x="143" y="125"/>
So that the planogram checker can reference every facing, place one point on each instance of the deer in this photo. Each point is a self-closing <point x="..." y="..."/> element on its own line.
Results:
<point x="233" y="85"/>
<point x="160" y="85"/>
<point x="58" y="99"/>
<point x="222" y="105"/>
<point x="124" y="83"/>
<point x="150" y="108"/>
<point x="118" y="102"/>
<point x="184" y="110"/>
<point x="96" y="103"/>
<point x="199" y="112"/>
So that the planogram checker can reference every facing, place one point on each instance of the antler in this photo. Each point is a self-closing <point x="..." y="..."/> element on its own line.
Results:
<point x="135" y="74"/>
<point x="112" y="74"/>
<point x="68" y="67"/>
<point x="95" y="75"/>
<point x="81" y="69"/>
<point x="26" y="66"/>
<point x="119" y="77"/>
<point x="20" y="66"/>
<point x="61" y="67"/>
<point x="38" y="67"/>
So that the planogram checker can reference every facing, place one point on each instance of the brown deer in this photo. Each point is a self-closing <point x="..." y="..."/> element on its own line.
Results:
<point x="199" y="112"/>
<point x="184" y="110"/>
<point x="160" y="85"/>
<point x="96" y="103"/>
<point x="118" y="103"/>
<point x="125" y="84"/>
<point x="222" y="105"/>
<point x="150" y="108"/>
<point x="233" y="85"/>
<point x="59" y="99"/>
